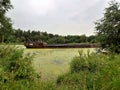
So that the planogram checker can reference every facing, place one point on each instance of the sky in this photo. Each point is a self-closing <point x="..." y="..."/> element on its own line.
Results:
<point x="63" y="17"/>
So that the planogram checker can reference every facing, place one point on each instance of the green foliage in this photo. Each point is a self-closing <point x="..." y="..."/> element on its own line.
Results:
<point x="57" y="40"/>
<point x="16" y="70"/>
<point x="69" y="79"/>
<point x="92" y="39"/>
<point x="108" y="28"/>
<point x="48" y="85"/>
<point x="84" y="62"/>
<point x="92" y="72"/>
<point x="5" y="22"/>
<point x="20" y="36"/>
<point x="5" y="5"/>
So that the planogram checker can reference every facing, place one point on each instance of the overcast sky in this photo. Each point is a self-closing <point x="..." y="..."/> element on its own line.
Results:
<point x="73" y="17"/>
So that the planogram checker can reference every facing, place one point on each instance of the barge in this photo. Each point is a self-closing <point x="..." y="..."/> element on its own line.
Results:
<point x="45" y="45"/>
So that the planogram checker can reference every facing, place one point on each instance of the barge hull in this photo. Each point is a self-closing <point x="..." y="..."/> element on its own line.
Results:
<point x="63" y="46"/>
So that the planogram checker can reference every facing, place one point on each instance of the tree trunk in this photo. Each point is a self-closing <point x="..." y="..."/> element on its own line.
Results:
<point x="3" y="38"/>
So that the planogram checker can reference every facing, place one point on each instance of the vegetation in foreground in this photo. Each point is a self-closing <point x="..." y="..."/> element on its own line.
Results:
<point x="16" y="71"/>
<point x="87" y="72"/>
<point x="92" y="72"/>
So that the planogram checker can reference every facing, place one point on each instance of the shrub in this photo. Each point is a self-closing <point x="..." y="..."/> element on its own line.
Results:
<point x="92" y="72"/>
<point x="85" y="63"/>
<point x="69" y="79"/>
<point x="15" y="69"/>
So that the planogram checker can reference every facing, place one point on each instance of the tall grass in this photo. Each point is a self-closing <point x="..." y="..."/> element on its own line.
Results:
<point x="16" y="71"/>
<point x="92" y="72"/>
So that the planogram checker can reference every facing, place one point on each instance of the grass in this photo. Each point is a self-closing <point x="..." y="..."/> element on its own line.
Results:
<point x="92" y="72"/>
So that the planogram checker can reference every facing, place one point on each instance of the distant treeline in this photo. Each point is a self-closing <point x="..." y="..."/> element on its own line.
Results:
<point x="20" y="36"/>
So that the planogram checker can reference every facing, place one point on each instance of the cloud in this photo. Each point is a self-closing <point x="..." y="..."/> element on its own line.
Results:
<point x="34" y="7"/>
<point x="57" y="16"/>
<point x="41" y="7"/>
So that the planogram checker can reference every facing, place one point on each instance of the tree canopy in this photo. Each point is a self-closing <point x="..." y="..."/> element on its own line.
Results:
<point x="21" y="36"/>
<point x="108" y="28"/>
<point x="5" y="22"/>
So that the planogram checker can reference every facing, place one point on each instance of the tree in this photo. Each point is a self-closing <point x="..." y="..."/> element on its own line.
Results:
<point x="108" y="28"/>
<point x="91" y="39"/>
<point x="5" y="23"/>
<point x="56" y="40"/>
<point x="83" y="38"/>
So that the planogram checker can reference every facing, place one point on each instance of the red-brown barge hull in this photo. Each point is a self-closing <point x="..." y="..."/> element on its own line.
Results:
<point x="43" y="45"/>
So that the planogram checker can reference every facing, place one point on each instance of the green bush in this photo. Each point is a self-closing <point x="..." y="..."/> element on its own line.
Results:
<point x="16" y="70"/>
<point x="92" y="72"/>
<point x="85" y="63"/>
<point x="69" y="79"/>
